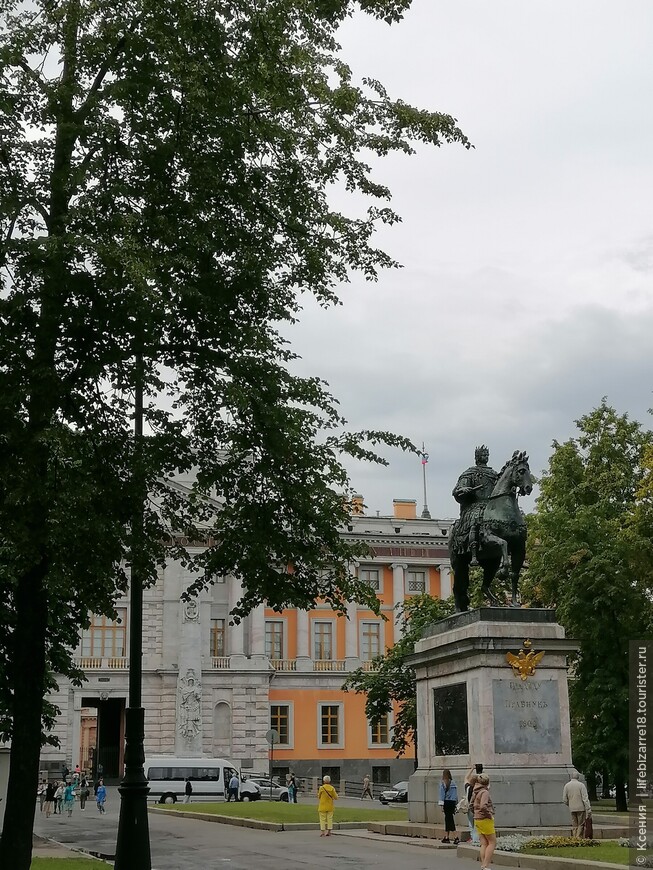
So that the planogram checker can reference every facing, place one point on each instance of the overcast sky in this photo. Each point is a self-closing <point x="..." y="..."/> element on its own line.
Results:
<point x="526" y="293"/>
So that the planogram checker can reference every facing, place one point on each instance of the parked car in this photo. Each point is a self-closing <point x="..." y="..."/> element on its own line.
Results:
<point x="270" y="790"/>
<point x="398" y="794"/>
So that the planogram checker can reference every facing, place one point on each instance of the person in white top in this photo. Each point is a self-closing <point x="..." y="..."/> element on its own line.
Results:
<point x="574" y="794"/>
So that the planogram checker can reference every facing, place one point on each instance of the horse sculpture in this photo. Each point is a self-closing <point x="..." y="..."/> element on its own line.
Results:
<point x="498" y="535"/>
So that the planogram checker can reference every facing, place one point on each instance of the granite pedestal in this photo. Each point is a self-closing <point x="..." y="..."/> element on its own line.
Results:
<point x="472" y="708"/>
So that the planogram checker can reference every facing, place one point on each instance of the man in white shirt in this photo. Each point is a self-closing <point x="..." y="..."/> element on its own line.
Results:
<point x="574" y="794"/>
<point x="234" y="787"/>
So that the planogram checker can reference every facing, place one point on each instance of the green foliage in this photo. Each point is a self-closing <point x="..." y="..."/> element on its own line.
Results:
<point x="589" y="555"/>
<point x="166" y="171"/>
<point x="392" y="681"/>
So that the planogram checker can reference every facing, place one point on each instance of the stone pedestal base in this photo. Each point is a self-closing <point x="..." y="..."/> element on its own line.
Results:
<point x="474" y="708"/>
<point x="523" y="799"/>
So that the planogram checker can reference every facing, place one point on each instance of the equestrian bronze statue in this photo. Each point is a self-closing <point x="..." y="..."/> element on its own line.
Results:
<point x="491" y="531"/>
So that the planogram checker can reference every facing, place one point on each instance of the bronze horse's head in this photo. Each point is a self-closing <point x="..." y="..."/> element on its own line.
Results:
<point x="521" y="474"/>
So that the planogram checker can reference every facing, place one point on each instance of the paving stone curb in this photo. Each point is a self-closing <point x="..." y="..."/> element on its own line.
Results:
<point x="258" y="823"/>
<point x="536" y="862"/>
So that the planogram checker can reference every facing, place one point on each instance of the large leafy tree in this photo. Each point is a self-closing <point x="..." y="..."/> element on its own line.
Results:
<point x="590" y="555"/>
<point x="391" y="685"/>
<point x="165" y="177"/>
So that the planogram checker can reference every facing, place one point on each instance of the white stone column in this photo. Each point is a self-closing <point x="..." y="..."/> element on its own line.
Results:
<point x="351" y="635"/>
<point x="76" y="739"/>
<point x="257" y="630"/>
<point x="398" y="588"/>
<point x="236" y="636"/>
<point x="445" y="581"/>
<point x="303" y="651"/>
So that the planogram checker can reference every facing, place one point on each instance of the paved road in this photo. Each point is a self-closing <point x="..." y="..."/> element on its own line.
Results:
<point x="184" y="844"/>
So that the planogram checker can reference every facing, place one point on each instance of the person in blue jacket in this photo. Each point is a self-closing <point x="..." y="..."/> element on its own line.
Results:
<point x="448" y="801"/>
<point x="101" y="796"/>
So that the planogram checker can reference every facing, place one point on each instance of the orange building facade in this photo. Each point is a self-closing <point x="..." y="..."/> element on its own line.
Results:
<point x="323" y="729"/>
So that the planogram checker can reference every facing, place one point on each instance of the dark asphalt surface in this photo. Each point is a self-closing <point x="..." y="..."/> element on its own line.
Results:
<point x="185" y="844"/>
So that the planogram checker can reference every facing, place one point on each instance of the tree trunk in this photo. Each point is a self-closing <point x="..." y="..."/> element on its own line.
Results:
<point x="591" y="786"/>
<point x="29" y="681"/>
<point x="620" y="793"/>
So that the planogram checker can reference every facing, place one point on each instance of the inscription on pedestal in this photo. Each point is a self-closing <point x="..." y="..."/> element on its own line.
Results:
<point x="526" y="716"/>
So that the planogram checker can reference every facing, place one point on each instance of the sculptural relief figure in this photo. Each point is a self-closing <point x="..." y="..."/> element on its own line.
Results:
<point x="491" y="530"/>
<point x="190" y="706"/>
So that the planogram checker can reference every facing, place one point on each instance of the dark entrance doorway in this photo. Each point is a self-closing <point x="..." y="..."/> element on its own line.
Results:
<point x="106" y="755"/>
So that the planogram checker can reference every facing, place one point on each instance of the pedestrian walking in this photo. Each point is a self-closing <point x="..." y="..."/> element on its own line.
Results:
<point x="366" y="788"/>
<point x="484" y="819"/>
<point x="84" y="792"/>
<point x="292" y="788"/>
<point x="188" y="790"/>
<point x="69" y="799"/>
<point x="326" y="794"/>
<point x="101" y="797"/>
<point x="448" y="801"/>
<point x="574" y="794"/>
<point x="58" y="798"/>
<point x="470" y="782"/>
<point x="234" y="787"/>
<point x="41" y="793"/>
<point x="49" y="798"/>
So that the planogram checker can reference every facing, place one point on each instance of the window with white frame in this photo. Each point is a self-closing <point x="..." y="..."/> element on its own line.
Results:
<point x="415" y="582"/>
<point x="322" y="640"/>
<point x="274" y="639"/>
<point x="330" y="726"/>
<point x="371" y="576"/>
<point x="106" y="637"/>
<point x="370" y="640"/>
<point x="218" y="633"/>
<point x="379" y="732"/>
<point x="281" y="721"/>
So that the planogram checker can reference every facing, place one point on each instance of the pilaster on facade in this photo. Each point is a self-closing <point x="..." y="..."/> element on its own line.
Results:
<point x="237" y="629"/>
<point x="257" y="630"/>
<point x="398" y="589"/>
<point x="445" y="581"/>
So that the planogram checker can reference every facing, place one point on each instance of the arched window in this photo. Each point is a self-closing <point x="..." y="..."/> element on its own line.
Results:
<point x="222" y="729"/>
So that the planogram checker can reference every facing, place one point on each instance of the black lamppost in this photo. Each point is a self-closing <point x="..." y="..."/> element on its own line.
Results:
<point x="133" y="843"/>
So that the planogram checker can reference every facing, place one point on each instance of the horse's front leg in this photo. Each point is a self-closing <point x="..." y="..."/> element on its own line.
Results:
<point x="517" y="559"/>
<point x="490" y="569"/>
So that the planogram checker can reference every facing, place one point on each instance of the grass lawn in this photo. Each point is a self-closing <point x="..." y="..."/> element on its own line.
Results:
<point x="607" y="806"/>
<point x="63" y="864"/>
<point x="609" y="851"/>
<point x="279" y="811"/>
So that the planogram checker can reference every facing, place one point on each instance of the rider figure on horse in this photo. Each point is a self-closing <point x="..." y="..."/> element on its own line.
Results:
<point x="472" y="491"/>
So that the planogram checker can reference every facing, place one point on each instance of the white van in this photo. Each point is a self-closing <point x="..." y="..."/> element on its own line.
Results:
<point x="209" y="777"/>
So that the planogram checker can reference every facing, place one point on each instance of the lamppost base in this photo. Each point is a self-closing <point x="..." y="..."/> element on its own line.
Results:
<point x="133" y="843"/>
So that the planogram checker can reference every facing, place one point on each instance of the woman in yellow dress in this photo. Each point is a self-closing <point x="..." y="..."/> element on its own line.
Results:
<point x="484" y="819"/>
<point x="326" y="795"/>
